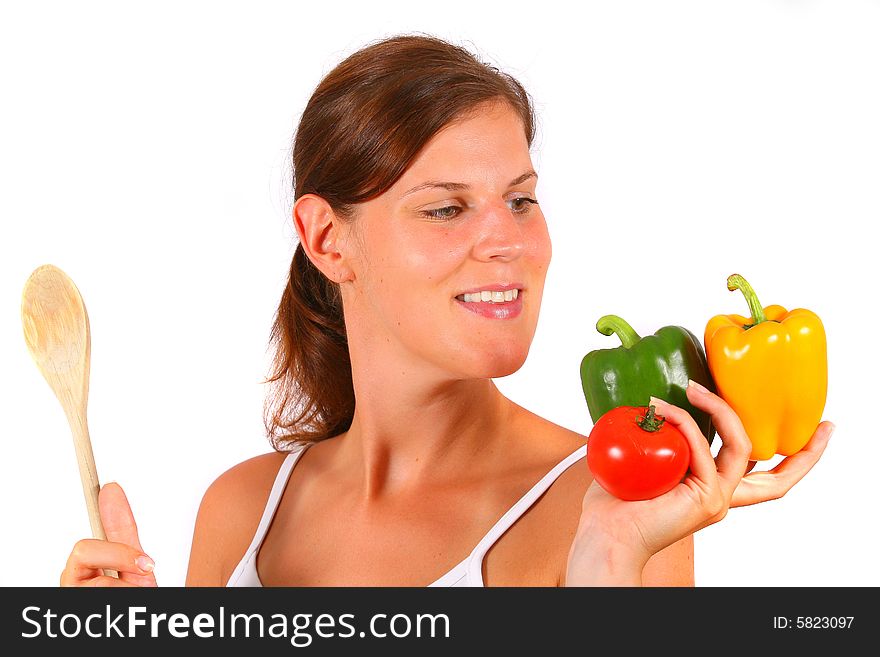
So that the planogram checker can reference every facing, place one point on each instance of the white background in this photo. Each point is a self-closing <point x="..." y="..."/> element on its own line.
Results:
<point x="143" y="149"/>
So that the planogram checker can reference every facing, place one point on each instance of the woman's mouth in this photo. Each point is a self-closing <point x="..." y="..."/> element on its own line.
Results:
<point x="493" y="304"/>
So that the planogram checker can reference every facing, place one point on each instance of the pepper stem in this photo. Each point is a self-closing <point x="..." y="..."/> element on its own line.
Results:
<point x="613" y="324"/>
<point x="737" y="282"/>
<point x="651" y="422"/>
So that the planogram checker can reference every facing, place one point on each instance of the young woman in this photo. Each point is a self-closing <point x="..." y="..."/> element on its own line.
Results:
<point x="418" y="279"/>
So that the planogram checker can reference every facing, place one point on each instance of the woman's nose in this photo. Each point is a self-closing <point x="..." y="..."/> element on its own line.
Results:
<point x="501" y="235"/>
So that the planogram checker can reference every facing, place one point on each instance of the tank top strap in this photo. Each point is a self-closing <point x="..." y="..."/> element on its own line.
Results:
<point x="475" y="562"/>
<point x="275" y="495"/>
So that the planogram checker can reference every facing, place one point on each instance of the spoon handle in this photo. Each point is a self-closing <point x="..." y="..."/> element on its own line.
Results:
<point x="88" y="475"/>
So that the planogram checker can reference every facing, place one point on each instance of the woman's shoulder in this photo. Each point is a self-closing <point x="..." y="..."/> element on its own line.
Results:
<point x="572" y="483"/>
<point x="228" y="516"/>
<point x="548" y="445"/>
<point x="555" y="514"/>
<point x="546" y="440"/>
<point x="245" y="484"/>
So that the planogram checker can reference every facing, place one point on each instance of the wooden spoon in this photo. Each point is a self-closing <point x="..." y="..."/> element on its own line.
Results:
<point x="56" y="330"/>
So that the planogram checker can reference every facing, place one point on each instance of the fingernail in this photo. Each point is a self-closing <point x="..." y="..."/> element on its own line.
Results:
<point x="696" y="386"/>
<point x="654" y="401"/>
<point x="145" y="563"/>
<point x="831" y="430"/>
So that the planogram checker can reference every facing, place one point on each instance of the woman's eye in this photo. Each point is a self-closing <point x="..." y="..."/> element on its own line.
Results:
<point x="440" y="213"/>
<point x="524" y="207"/>
<point x="521" y="206"/>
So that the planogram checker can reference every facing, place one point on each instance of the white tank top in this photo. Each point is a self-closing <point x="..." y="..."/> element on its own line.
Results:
<point x="468" y="572"/>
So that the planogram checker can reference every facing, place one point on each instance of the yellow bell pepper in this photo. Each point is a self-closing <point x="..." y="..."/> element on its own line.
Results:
<point x="772" y="369"/>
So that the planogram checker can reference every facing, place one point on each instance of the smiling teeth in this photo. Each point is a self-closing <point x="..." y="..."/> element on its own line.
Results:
<point x="490" y="297"/>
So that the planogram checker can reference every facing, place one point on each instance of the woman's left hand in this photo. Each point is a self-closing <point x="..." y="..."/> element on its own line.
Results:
<point x="615" y="538"/>
<point x="763" y="486"/>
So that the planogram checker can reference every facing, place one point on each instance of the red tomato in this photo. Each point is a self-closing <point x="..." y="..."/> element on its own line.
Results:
<point x="635" y="455"/>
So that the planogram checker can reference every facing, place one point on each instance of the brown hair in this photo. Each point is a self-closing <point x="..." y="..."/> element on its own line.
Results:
<point x="362" y="128"/>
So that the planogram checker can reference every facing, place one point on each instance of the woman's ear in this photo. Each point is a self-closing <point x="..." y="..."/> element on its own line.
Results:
<point x="320" y="232"/>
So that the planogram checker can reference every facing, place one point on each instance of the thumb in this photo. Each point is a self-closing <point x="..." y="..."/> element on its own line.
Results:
<point x="116" y="516"/>
<point x="120" y="527"/>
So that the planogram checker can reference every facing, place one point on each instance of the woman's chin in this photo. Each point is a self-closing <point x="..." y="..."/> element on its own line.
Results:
<point x="497" y="365"/>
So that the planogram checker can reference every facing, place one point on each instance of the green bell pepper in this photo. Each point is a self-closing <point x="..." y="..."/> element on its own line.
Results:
<point x="658" y="365"/>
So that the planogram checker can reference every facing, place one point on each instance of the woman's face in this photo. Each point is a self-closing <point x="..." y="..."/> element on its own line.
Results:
<point x="461" y="220"/>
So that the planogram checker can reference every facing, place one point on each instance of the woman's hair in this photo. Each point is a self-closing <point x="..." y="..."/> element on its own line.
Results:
<point x="364" y="125"/>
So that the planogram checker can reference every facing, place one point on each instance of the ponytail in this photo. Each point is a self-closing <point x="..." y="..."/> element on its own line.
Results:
<point x="311" y="365"/>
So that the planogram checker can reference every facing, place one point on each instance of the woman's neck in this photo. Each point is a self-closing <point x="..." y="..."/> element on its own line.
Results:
<point x="406" y="437"/>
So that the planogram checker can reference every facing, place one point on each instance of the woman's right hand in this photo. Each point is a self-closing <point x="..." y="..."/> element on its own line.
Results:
<point x="121" y="551"/>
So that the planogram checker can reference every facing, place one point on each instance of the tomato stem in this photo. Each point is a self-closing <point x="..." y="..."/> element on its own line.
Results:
<point x="651" y="422"/>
